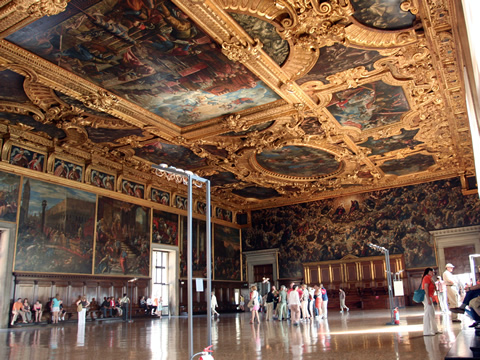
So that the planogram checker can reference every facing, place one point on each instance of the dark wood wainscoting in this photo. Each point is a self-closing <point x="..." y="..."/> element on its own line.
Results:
<point x="70" y="287"/>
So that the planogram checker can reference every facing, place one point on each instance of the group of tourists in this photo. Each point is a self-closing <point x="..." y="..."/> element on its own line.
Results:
<point x="302" y="302"/>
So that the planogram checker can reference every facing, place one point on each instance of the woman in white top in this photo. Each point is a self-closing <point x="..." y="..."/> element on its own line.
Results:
<point x="294" y="304"/>
<point x="255" y="304"/>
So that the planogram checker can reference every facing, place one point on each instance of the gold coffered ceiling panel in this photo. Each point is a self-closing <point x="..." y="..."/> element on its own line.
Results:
<point x="276" y="101"/>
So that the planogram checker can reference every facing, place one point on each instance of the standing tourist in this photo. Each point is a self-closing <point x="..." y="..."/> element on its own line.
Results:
<point x="341" y="296"/>
<point x="82" y="305"/>
<point x="441" y="288"/>
<point x="294" y="305"/>
<point x="255" y="304"/>
<point x="55" y="309"/>
<point x="214" y="304"/>
<point x="282" y="304"/>
<point x="452" y="291"/>
<point x="324" y="301"/>
<point x="124" y="304"/>
<point x="428" y="285"/>
<point x="269" y="303"/>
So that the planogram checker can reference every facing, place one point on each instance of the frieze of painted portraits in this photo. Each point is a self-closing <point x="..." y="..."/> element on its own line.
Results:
<point x="56" y="227"/>
<point x="123" y="238"/>
<point x="161" y="197"/>
<point x="26" y="158"/>
<point x="399" y="219"/>
<point x="68" y="170"/>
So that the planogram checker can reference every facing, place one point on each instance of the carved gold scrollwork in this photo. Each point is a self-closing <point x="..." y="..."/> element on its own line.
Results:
<point x="100" y="101"/>
<point x="236" y="51"/>
<point x="43" y="8"/>
<point x="350" y="77"/>
<point x="409" y="5"/>
<point x="314" y="24"/>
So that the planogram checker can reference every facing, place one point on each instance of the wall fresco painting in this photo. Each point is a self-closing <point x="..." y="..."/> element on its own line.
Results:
<point x="337" y="58"/>
<point x="133" y="189"/>
<point x="409" y="165"/>
<point x="369" y="106"/>
<point x="165" y="228"/>
<point x="55" y="230"/>
<point x="27" y="158"/>
<point x="381" y="14"/>
<point x="226" y="253"/>
<point x="223" y="214"/>
<point x="160" y="197"/>
<point x="199" y="258"/>
<point x="396" y="142"/>
<point x="68" y="170"/>
<point x="123" y="238"/>
<point x="300" y="161"/>
<point x="158" y="57"/>
<point x="174" y="155"/>
<point x="9" y="188"/>
<point x="398" y="219"/>
<point x="102" y="180"/>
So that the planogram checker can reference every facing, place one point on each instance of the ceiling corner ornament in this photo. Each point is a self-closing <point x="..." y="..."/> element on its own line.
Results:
<point x="100" y="101"/>
<point x="410" y="5"/>
<point x="236" y="51"/>
<point x="349" y="77"/>
<point x="46" y="7"/>
<point x="235" y="122"/>
<point x="313" y="24"/>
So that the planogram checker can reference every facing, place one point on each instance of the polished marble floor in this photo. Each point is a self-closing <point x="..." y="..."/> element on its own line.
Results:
<point x="356" y="335"/>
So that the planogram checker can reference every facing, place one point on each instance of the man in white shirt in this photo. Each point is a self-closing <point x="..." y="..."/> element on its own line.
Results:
<point x="452" y="292"/>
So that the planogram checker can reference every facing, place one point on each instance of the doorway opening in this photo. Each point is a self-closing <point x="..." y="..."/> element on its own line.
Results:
<point x="160" y="279"/>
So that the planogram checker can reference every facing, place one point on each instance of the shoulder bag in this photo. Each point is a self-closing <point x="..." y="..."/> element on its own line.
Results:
<point x="419" y="294"/>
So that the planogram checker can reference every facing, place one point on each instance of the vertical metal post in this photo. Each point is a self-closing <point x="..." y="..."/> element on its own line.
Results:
<point x="209" y="265"/>
<point x="189" y="269"/>
<point x="389" y="276"/>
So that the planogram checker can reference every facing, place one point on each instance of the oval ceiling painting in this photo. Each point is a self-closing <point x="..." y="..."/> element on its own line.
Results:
<point x="298" y="161"/>
<point x="382" y="14"/>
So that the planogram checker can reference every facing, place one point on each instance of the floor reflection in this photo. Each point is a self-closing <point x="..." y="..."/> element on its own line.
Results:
<point x="355" y="335"/>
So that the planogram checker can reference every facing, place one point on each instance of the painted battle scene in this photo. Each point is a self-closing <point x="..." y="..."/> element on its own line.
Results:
<point x="165" y="228"/>
<point x="123" y="238"/>
<point x="337" y="58"/>
<point x="27" y="158"/>
<point x="396" y="142"/>
<point x="369" y="106"/>
<point x="409" y="165"/>
<point x="398" y="219"/>
<point x="9" y="188"/>
<point x="199" y="250"/>
<point x="382" y="14"/>
<point x="300" y="161"/>
<point x="172" y="155"/>
<point x="55" y="230"/>
<point x="151" y="54"/>
<point x="226" y="263"/>
<point x="67" y="170"/>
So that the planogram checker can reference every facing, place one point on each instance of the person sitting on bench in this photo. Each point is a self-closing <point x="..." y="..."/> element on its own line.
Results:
<point x="472" y="300"/>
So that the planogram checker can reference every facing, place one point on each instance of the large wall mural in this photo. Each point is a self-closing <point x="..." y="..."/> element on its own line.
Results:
<point x="399" y="219"/>
<point x="123" y="238"/>
<point x="55" y="231"/>
<point x="226" y="253"/>
<point x="165" y="228"/>
<point x="9" y="188"/>
<point x="199" y="258"/>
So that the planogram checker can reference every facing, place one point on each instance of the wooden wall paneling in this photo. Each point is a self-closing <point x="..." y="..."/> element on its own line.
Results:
<point x="379" y="270"/>
<point x="337" y="277"/>
<point x="25" y="289"/>
<point x="366" y="273"/>
<point x="313" y="275"/>
<point x="104" y="290"/>
<point x="91" y="290"/>
<point x="44" y="291"/>
<point x="351" y="272"/>
<point x="76" y="290"/>
<point x="118" y="289"/>
<point x="325" y="274"/>
<point x="62" y="290"/>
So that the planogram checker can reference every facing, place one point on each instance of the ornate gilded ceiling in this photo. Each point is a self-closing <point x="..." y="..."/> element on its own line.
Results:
<point x="276" y="101"/>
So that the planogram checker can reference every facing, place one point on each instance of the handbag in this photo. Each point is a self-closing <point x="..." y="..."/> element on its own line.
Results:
<point x="419" y="294"/>
<point x="79" y="307"/>
<point x="250" y="303"/>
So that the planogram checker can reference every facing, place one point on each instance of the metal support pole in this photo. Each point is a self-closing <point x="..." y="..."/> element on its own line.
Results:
<point x="189" y="269"/>
<point x="390" y="292"/>
<point x="209" y="266"/>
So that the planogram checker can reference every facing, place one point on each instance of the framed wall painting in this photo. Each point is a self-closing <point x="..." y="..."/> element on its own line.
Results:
<point x="122" y="244"/>
<point x="165" y="228"/>
<point x="131" y="188"/>
<point x="226" y="253"/>
<point x="160" y="197"/>
<point x="55" y="229"/>
<point x="102" y="179"/>
<point x="68" y="170"/>
<point x="9" y="189"/>
<point x="27" y="158"/>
